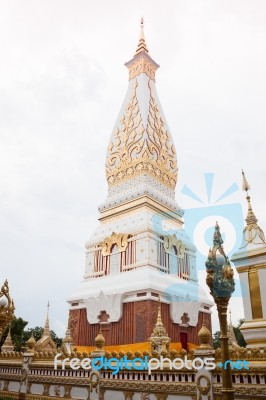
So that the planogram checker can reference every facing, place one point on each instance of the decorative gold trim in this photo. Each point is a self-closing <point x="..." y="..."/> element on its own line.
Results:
<point x="255" y="296"/>
<point x="160" y="387"/>
<point x="130" y="206"/>
<point x="58" y="380"/>
<point x="256" y="341"/>
<point x="10" y="376"/>
<point x="250" y="267"/>
<point x="252" y="327"/>
<point x="119" y="239"/>
<point x="13" y="395"/>
<point x="94" y="382"/>
<point x="128" y="395"/>
<point x="171" y="241"/>
<point x="142" y="65"/>
<point x="136" y="149"/>
<point x="244" y="389"/>
<point x="203" y="389"/>
<point x="41" y="397"/>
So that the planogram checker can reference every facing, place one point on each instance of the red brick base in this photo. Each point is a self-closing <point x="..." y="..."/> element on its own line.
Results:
<point x="135" y="326"/>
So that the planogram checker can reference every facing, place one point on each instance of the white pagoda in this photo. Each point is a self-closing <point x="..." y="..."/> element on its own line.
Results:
<point x="140" y="251"/>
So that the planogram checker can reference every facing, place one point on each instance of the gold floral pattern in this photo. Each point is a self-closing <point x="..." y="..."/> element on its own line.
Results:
<point x="135" y="149"/>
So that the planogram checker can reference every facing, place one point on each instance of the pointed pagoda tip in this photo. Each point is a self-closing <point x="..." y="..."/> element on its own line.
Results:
<point x="251" y="218"/>
<point x="46" y="330"/>
<point x="245" y="184"/>
<point x="142" y="46"/>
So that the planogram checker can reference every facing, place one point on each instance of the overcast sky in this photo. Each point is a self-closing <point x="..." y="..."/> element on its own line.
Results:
<point x="62" y="84"/>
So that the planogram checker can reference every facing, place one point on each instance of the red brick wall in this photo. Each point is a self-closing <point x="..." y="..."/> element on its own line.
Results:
<point x="136" y="325"/>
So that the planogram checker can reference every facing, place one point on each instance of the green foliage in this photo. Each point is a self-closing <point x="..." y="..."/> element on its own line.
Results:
<point x="216" y="340"/>
<point x="37" y="333"/>
<point x="17" y="329"/>
<point x="239" y="337"/>
<point x="6" y="398"/>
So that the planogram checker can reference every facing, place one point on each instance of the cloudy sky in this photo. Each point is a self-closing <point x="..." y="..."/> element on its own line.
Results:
<point x="62" y="84"/>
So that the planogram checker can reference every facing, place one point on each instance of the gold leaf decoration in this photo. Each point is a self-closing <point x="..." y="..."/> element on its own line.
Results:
<point x="135" y="149"/>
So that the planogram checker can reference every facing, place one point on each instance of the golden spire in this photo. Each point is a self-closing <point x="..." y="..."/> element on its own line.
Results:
<point x="252" y="232"/>
<point x="251" y="218"/>
<point x="159" y="329"/>
<point x="231" y="333"/>
<point x="68" y="337"/>
<point x="159" y="314"/>
<point x="8" y="344"/>
<point x="142" y="43"/>
<point x="159" y="339"/>
<point x="46" y="330"/>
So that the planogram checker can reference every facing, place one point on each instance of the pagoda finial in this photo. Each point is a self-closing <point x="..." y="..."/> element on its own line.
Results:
<point x="8" y="344"/>
<point x="231" y="333"/>
<point x="159" y="339"/>
<point x="251" y="218"/>
<point x="252" y="232"/>
<point x="46" y="330"/>
<point x="245" y="184"/>
<point x="142" y="46"/>
<point x="159" y="313"/>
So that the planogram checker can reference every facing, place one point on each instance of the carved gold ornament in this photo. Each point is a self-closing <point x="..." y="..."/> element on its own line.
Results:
<point x="203" y="389"/>
<point x="136" y="149"/>
<point x="94" y="381"/>
<point x="142" y="65"/>
<point x="119" y="239"/>
<point x="172" y="241"/>
<point x="7" y="308"/>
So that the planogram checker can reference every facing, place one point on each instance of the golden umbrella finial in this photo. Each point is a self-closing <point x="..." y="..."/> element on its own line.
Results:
<point x="251" y="218"/>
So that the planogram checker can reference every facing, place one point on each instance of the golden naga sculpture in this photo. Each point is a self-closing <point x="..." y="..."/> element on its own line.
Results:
<point x="6" y="308"/>
<point x="220" y="279"/>
<point x="119" y="239"/>
<point x="172" y="241"/>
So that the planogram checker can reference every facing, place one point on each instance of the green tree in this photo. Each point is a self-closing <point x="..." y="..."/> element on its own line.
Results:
<point x="20" y="336"/>
<point x="37" y="333"/>
<point x="17" y="330"/>
<point x="216" y="340"/>
<point x="238" y="334"/>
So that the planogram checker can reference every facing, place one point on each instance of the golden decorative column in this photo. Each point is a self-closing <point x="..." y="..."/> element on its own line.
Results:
<point x="221" y="283"/>
<point x="6" y="308"/>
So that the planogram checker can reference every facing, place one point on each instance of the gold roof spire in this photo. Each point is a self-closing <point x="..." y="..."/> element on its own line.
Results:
<point x="252" y="232"/>
<point x="142" y="46"/>
<point x="159" y="329"/>
<point x="231" y="333"/>
<point x="159" y="339"/>
<point x="159" y="314"/>
<point x="46" y="330"/>
<point x="251" y="218"/>
<point x="8" y="344"/>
